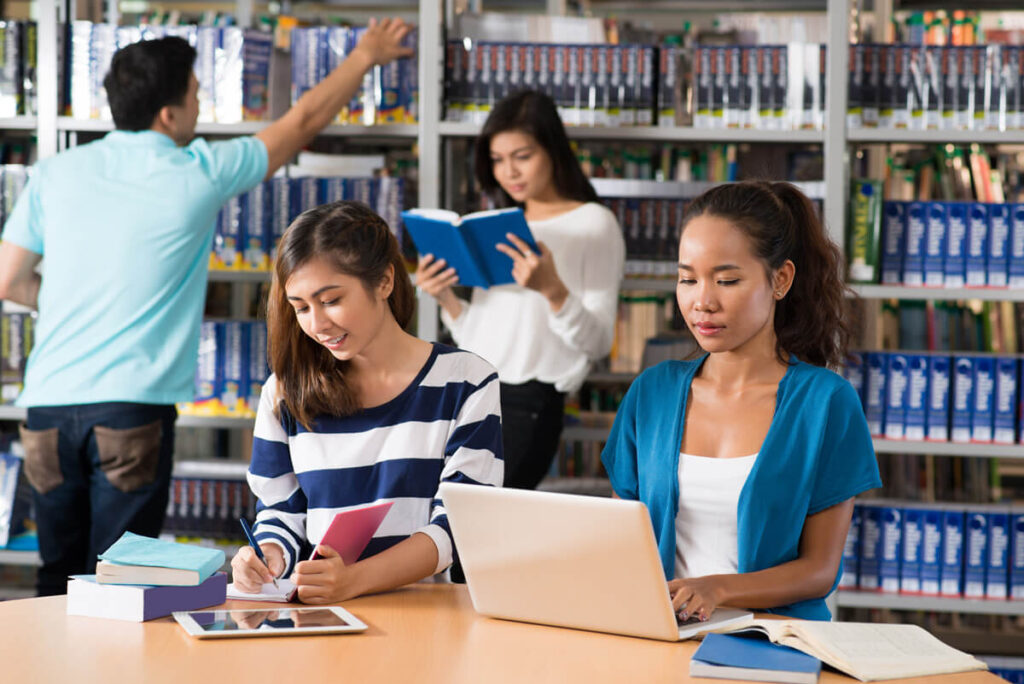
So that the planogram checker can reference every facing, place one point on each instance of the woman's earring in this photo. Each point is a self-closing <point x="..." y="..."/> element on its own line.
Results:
<point x="778" y="294"/>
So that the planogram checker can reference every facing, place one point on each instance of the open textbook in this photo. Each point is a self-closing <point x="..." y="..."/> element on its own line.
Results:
<point x="866" y="651"/>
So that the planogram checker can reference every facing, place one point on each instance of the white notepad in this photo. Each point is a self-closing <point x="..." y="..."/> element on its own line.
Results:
<point x="268" y="592"/>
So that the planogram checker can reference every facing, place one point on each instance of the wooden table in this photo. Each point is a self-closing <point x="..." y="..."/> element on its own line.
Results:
<point x="424" y="633"/>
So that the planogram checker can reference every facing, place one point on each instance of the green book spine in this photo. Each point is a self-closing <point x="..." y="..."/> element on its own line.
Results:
<point x="865" y="226"/>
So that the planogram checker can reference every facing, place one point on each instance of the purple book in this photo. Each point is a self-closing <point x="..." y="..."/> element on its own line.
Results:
<point x="139" y="603"/>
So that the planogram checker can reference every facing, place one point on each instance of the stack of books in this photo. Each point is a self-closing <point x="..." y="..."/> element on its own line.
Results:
<point x="141" y="578"/>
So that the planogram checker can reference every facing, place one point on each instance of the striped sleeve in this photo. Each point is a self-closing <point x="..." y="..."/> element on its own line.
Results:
<point x="281" y="504"/>
<point x="473" y="450"/>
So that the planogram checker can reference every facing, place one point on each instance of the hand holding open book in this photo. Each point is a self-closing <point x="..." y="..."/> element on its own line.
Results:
<point x="469" y="244"/>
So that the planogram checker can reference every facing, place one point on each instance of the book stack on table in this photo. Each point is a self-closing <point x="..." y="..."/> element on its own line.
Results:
<point x="141" y="578"/>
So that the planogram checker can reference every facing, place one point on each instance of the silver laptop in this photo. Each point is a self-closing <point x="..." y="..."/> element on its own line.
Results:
<point x="566" y="560"/>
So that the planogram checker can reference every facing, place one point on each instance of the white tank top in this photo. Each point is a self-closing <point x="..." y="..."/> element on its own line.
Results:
<point x="709" y="491"/>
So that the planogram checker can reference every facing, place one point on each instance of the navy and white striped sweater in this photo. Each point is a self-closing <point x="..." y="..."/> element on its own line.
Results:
<point x="446" y="426"/>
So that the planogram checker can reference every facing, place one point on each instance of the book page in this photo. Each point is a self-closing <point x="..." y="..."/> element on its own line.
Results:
<point x="437" y="215"/>
<point x="282" y="593"/>
<point x="878" y="651"/>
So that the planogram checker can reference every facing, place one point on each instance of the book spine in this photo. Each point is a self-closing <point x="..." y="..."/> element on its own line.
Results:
<point x="931" y="551"/>
<point x="910" y="562"/>
<point x="875" y="392"/>
<point x="915" y="415"/>
<point x="963" y="398"/>
<point x="975" y="553"/>
<point x="871" y="547"/>
<point x="851" y="551"/>
<point x="865" y="226"/>
<point x="1017" y="556"/>
<point x="938" y="398"/>
<point x="997" y="572"/>
<point x="894" y="226"/>
<point x="978" y="231"/>
<point x="984" y="389"/>
<point x="1004" y="427"/>
<point x="935" y="244"/>
<point x="162" y="601"/>
<point x="998" y="245"/>
<point x="953" y="535"/>
<point x="954" y="268"/>
<point x="896" y="396"/>
<point x="892" y="549"/>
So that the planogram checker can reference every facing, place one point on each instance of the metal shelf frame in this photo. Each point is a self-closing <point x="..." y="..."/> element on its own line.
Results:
<point x="894" y="446"/>
<point x="402" y="132"/>
<point x="459" y="129"/>
<point x="935" y="137"/>
<point x="8" y="557"/>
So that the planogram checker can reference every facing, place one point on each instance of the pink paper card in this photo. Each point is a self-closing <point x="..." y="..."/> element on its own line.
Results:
<point x="352" y="530"/>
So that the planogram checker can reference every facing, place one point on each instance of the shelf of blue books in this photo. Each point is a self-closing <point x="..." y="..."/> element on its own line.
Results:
<point x="935" y="137"/>
<point x="400" y="131"/>
<point x="871" y="599"/>
<point x="455" y="129"/>
<point x="938" y="293"/>
<point x="895" y="446"/>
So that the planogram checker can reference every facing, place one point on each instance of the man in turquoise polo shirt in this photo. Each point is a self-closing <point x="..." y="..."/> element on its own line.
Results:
<point x="125" y="225"/>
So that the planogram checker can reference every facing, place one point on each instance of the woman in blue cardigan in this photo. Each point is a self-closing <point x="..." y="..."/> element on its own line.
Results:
<point x="748" y="458"/>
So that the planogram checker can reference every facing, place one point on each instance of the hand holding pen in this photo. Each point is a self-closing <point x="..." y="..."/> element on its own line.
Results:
<point x="256" y="548"/>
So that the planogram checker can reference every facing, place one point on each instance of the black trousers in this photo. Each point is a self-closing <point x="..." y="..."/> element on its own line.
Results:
<point x="531" y="425"/>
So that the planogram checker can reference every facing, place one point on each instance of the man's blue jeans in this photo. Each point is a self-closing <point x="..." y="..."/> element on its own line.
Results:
<point x="96" y="470"/>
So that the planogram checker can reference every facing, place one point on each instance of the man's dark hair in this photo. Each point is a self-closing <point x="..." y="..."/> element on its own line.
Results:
<point x="145" y="77"/>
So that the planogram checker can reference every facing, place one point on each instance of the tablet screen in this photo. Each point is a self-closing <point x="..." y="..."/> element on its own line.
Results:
<point x="262" y="622"/>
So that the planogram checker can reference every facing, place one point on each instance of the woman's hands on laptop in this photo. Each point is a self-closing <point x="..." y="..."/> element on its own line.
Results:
<point x="695" y="597"/>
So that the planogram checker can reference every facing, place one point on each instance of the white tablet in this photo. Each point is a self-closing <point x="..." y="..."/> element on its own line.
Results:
<point x="211" y="624"/>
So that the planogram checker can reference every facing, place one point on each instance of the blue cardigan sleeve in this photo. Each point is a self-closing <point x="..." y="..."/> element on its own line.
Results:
<point x="619" y="455"/>
<point x="846" y="465"/>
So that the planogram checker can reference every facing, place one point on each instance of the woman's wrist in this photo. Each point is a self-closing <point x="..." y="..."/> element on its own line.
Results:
<point x="450" y="303"/>
<point x="556" y="295"/>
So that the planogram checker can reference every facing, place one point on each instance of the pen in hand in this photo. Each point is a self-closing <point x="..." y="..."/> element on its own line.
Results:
<point x="256" y="547"/>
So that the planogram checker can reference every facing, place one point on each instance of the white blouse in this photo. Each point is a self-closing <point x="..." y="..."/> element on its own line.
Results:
<point x="709" y="492"/>
<point x="514" y="328"/>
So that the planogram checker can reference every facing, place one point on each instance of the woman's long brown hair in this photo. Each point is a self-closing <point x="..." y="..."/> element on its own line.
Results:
<point x="356" y="242"/>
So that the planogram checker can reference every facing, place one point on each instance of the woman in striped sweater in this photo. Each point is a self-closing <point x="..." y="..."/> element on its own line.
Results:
<point x="359" y="411"/>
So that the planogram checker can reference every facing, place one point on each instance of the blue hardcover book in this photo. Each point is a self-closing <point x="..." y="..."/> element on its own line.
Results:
<point x="469" y="243"/>
<point x="952" y="572"/>
<point x="892" y="549"/>
<point x="875" y="393"/>
<point x="977" y="244"/>
<point x="1017" y="554"/>
<point x="894" y="238"/>
<point x="931" y="551"/>
<point x="134" y="559"/>
<point x="913" y="537"/>
<point x="984" y="391"/>
<point x="870" y="547"/>
<point x="1004" y="422"/>
<point x="963" y="398"/>
<point x="975" y="553"/>
<point x="913" y="256"/>
<point x="1015" y="267"/>
<point x="997" y="574"/>
<point x="935" y="244"/>
<point x="914" y="418"/>
<point x="938" y="398"/>
<point x="998" y="244"/>
<point x="731" y="656"/>
<point x="956" y="243"/>
<point x="896" y="396"/>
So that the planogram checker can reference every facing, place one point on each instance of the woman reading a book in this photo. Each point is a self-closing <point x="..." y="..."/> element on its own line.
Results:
<point x="543" y="332"/>
<point x="748" y="458"/>
<point x="358" y="411"/>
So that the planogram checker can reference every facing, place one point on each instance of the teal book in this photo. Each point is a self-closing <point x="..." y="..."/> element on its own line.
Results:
<point x="134" y="559"/>
<point x="468" y="243"/>
<point x="753" y="658"/>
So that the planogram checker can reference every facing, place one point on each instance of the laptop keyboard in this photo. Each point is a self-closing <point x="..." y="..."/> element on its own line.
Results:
<point x="692" y="620"/>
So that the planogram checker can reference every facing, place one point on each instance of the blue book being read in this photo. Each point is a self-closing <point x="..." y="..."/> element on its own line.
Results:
<point x="754" y="658"/>
<point x="134" y="559"/>
<point x="468" y="243"/>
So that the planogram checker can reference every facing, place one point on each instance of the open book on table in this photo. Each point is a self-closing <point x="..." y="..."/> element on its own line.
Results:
<point x="468" y="243"/>
<point x="866" y="651"/>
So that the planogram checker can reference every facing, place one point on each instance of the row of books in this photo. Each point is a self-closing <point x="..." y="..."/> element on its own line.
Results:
<point x="650" y="227"/>
<point x="17" y="334"/>
<point x="231" y="370"/>
<point x="659" y="161"/>
<point x="250" y="224"/>
<point x="208" y="507"/>
<point x="935" y="550"/>
<point x="18" y="61"/>
<point x="646" y="331"/>
<point x="232" y="66"/>
<point x="963" y="398"/>
<point x="945" y="87"/>
<point x="937" y="244"/>
<point x="735" y="86"/>
<point x="13" y="178"/>
<point x="389" y="94"/>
